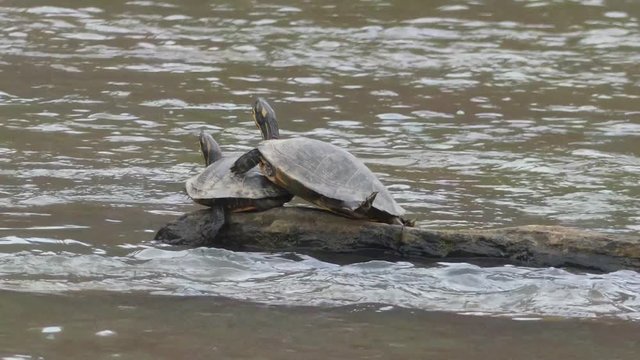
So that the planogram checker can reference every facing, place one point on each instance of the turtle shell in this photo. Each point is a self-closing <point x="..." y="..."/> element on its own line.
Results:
<point x="217" y="182"/>
<point x="329" y="171"/>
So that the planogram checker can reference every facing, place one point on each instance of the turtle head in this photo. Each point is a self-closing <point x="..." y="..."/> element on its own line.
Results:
<point x="265" y="119"/>
<point x="210" y="148"/>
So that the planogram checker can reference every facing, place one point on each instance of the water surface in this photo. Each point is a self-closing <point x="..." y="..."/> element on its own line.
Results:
<point x="474" y="114"/>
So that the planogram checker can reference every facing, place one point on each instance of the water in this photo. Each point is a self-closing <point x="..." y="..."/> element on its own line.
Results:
<point x="475" y="114"/>
<point x="282" y="279"/>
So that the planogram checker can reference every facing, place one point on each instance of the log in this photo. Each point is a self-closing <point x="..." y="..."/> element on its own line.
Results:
<point x="306" y="230"/>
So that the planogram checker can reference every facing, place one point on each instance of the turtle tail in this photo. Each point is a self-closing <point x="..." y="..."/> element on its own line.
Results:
<point x="246" y="162"/>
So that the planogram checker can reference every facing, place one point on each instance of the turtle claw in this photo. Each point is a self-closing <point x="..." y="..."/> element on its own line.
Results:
<point x="408" y="222"/>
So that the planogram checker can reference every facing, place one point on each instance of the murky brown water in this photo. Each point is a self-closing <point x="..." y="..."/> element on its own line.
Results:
<point x="107" y="326"/>
<point x="475" y="114"/>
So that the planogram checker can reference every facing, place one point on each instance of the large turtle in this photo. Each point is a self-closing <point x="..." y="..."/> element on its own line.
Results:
<point x="216" y="185"/>
<point x="319" y="172"/>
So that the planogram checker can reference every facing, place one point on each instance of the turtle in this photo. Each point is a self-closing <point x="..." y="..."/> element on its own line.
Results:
<point x="223" y="192"/>
<point x="319" y="172"/>
<point x="216" y="185"/>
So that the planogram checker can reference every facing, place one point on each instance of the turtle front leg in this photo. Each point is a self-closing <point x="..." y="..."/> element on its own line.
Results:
<point x="217" y="219"/>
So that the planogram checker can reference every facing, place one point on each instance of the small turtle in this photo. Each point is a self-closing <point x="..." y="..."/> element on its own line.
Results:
<point x="222" y="191"/>
<point x="319" y="172"/>
<point x="216" y="185"/>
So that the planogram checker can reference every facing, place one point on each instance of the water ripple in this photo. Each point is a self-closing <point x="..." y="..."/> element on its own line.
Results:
<point x="274" y="279"/>
<point x="474" y="115"/>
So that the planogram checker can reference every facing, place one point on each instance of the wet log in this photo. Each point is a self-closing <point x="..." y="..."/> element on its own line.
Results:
<point x="305" y="230"/>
